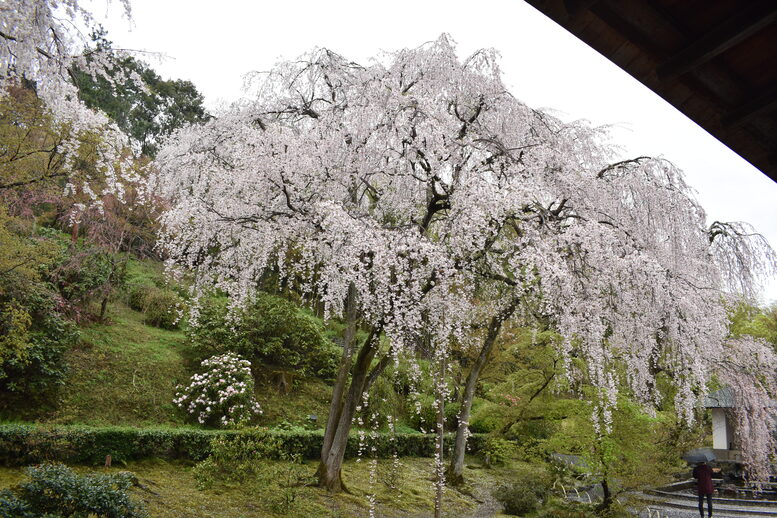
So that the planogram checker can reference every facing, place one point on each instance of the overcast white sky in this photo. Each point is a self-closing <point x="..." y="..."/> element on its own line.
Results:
<point x="214" y="43"/>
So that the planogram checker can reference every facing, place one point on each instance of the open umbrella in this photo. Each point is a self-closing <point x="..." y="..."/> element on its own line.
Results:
<point x="699" y="455"/>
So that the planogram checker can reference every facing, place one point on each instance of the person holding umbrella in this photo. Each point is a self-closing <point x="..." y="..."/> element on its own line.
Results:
<point x="703" y="475"/>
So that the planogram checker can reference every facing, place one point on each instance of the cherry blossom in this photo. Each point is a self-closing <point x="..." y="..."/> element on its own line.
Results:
<point x="447" y="207"/>
<point x="42" y="41"/>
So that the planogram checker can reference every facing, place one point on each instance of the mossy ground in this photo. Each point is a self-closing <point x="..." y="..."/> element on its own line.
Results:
<point x="307" y="397"/>
<point x="169" y="490"/>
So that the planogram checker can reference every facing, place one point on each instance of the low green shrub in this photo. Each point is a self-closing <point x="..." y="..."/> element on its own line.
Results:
<point x="54" y="490"/>
<point x="136" y="296"/>
<point x="12" y="507"/>
<point x="496" y="451"/>
<point x="164" y="308"/>
<point x="161" y="307"/>
<point x="270" y="330"/>
<point x="527" y="490"/>
<point x="517" y="498"/>
<point x="237" y="459"/>
<point x="242" y="460"/>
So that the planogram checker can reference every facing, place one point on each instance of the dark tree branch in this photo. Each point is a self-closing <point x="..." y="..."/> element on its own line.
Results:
<point x="22" y="183"/>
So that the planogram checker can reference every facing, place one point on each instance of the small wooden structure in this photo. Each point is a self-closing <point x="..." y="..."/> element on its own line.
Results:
<point x="723" y="430"/>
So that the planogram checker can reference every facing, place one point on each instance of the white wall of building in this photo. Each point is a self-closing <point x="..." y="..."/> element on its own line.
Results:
<point x="721" y="430"/>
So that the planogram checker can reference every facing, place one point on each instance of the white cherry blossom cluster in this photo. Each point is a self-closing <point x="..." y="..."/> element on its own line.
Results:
<point x="223" y="394"/>
<point x="449" y="205"/>
<point x="41" y="43"/>
<point x="746" y="359"/>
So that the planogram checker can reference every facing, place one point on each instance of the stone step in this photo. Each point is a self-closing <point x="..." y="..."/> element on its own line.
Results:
<point x="743" y="502"/>
<point x="719" y="508"/>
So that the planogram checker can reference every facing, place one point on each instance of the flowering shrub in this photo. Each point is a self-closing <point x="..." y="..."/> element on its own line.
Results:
<point x="223" y="395"/>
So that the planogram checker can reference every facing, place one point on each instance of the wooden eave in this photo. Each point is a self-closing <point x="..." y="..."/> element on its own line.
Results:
<point x="714" y="60"/>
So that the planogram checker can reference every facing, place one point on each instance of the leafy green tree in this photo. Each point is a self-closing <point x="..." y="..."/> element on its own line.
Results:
<point x="146" y="110"/>
<point x="528" y="400"/>
<point x="33" y="154"/>
<point x="33" y="331"/>
<point x="18" y="261"/>
<point x="624" y="459"/>
<point x="747" y="319"/>
<point x="85" y="273"/>
<point x="517" y="387"/>
<point x="47" y="166"/>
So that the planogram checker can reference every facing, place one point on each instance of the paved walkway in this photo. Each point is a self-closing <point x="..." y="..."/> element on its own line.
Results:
<point x="679" y="507"/>
<point x="668" y="512"/>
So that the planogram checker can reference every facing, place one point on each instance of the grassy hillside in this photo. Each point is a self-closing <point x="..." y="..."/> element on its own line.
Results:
<point x="124" y="372"/>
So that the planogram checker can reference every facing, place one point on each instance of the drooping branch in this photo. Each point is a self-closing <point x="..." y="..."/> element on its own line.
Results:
<point x="622" y="165"/>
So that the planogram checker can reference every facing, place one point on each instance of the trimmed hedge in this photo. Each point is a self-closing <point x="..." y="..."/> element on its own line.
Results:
<point x="22" y="444"/>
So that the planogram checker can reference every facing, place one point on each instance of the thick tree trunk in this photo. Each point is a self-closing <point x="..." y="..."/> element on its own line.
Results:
<point x="336" y="404"/>
<point x="103" y="308"/>
<point x="606" y="494"/>
<point x="456" y="469"/>
<point x="329" y="476"/>
<point x="342" y="411"/>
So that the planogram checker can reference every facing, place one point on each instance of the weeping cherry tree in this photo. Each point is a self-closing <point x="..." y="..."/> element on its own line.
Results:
<point x="419" y="197"/>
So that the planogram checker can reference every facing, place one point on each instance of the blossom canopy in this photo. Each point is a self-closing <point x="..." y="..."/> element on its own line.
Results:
<point x="423" y="183"/>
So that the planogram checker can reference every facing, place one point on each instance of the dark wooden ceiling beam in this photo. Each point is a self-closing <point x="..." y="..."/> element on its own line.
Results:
<point x="631" y="25"/>
<point x="762" y="104"/>
<point x="718" y="40"/>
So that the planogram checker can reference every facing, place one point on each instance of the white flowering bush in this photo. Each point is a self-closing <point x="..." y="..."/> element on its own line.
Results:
<point x="223" y="395"/>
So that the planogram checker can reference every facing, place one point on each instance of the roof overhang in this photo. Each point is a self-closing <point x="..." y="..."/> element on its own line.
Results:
<point x="714" y="60"/>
